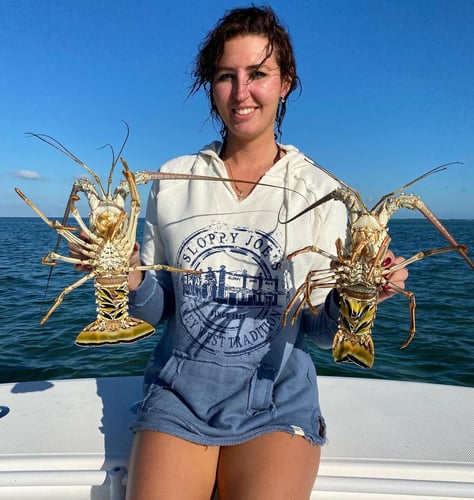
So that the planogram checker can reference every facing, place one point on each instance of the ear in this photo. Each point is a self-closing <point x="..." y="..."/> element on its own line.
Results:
<point x="285" y="87"/>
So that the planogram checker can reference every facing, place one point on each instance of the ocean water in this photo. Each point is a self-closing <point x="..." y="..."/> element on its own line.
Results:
<point x="441" y="352"/>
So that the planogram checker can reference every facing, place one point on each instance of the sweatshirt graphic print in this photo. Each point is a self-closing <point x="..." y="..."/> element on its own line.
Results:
<point x="236" y="304"/>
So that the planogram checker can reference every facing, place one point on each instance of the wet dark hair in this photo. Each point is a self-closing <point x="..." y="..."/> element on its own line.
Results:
<point x="238" y="22"/>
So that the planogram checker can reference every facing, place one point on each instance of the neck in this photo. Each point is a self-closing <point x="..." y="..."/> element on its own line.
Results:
<point x="251" y="156"/>
<point x="249" y="162"/>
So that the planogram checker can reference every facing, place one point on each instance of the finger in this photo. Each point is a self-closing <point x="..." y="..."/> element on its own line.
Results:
<point x="400" y="275"/>
<point x="82" y="268"/>
<point x="135" y="259"/>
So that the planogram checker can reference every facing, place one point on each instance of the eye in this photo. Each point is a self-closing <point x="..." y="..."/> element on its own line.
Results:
<point x="257" y="75"/>
<point x="224" y="77"/>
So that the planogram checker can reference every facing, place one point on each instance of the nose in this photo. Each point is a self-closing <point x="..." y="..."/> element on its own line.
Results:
<point x="240" y="88"/>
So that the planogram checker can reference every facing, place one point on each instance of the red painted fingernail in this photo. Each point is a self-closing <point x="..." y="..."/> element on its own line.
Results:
<point x="387" y="262"/>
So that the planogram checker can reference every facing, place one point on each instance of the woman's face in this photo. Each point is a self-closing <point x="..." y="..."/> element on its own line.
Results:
<point x="245" y="90"/>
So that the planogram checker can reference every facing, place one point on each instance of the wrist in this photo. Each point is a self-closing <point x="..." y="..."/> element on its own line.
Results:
<point x="134" y="279"/>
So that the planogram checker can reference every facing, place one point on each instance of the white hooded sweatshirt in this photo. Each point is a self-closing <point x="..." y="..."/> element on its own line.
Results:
<point x="229" y="317"/>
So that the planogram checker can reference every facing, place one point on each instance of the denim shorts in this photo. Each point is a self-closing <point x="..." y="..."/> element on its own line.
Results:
<point x="210" y="404"/>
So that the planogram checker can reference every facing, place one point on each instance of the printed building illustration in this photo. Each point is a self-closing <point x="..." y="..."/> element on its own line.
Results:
<point x="232" y="287"/>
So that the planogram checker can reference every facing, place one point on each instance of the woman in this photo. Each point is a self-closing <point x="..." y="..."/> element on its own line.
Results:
<point x="231" y="397"/>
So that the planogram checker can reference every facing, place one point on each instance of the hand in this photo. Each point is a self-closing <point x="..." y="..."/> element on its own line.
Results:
<point x="76" y="253"/>
<point x="398" y="277"/>
<point x="134" y="277"/>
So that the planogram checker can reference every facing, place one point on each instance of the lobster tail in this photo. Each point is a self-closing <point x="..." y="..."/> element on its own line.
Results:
<point x="97" y="333"/>
<point x="353" y="339"/>
<point x="113" y="324"/>
<point x="356" y="348"/>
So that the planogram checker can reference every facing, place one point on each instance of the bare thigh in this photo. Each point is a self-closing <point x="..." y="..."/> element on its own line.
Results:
<point x="164" y="467"/>
<point x="277" y="466"/>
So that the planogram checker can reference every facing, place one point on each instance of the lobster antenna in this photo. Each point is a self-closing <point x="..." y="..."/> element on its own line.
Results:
<point x="324" y="199"/>
<point x="426" y="174"/>
<point x="124" y="142"/>
<point x="114" y="162"/>
<point x="349" y="188"/>
<point x="58" y="241"/>
<point x="115" y="159"/>
<point x="51" y="141"/>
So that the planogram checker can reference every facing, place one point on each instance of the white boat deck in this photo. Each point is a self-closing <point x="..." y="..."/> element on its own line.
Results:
<point x="387" y="440"/>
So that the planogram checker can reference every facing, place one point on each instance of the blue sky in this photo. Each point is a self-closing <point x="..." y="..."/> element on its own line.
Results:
<point x="388" y="92"/>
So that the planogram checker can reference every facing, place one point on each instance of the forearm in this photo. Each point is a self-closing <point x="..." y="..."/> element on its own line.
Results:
<point x="150" y="301"/>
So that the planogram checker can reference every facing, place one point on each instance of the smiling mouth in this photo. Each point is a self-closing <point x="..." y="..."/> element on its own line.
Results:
<point x="244" y="111"/>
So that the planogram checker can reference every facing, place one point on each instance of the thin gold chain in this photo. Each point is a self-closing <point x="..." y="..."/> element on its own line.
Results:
<point x="240" y="194"/>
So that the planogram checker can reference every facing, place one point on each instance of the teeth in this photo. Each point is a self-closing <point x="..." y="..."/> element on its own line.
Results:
<point x="245" y="111"/>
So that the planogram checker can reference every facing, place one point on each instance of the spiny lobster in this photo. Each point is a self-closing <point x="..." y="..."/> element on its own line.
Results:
<point x="358" y="271"/>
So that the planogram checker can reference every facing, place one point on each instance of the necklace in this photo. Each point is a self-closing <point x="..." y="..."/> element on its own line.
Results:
<point x="241" y="195"/>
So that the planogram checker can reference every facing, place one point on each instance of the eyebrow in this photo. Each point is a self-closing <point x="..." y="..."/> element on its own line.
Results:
<point x="252" y="67"/>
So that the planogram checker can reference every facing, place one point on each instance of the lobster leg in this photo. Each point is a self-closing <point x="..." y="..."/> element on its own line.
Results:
<point x="53" y="224"/>
<point x="410" y="295"/>
<point x="65" y="291"/>
<point x="311" y="248"/>
<point x="412" y="306"/>
<point x="414" y="203"/>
